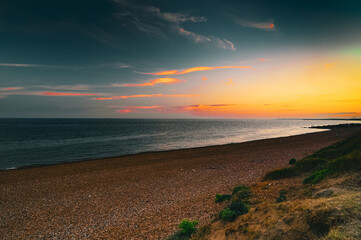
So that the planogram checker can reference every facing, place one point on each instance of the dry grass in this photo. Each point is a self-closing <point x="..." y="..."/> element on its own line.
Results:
<point x="330" y="210"/>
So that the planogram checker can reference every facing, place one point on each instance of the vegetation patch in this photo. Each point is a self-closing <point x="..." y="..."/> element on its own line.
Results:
<point x="337" y="166"/>
<point x="292" y="161"/>
<point x="281" y="173"/>
<point x="187" y="228"/>
<point x="222" y="197"/>
<point x="337" y="158"/>
<point x="239" y="188"/>
<point x="311" y="211"/>
<point x="228" y="215"/>
<point x="241" y="194"/>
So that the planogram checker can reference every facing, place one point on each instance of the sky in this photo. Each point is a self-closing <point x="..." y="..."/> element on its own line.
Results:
<point x="180" y="59"/>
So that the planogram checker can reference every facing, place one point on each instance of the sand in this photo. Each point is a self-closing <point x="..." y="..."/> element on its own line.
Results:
<point x="141" y="196"/>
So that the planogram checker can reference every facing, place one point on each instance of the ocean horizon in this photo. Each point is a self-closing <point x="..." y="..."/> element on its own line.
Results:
<point x="26" y="142"/>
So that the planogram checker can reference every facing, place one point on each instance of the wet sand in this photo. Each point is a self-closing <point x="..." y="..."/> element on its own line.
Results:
<point x="141" y="196"/>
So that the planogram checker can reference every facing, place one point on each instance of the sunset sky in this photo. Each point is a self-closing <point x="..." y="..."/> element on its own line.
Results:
<point x="180" y="59"/>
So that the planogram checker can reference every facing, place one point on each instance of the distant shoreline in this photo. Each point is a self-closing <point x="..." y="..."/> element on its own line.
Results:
<point x="325" y="128"/>
<point x="149" y="152"/>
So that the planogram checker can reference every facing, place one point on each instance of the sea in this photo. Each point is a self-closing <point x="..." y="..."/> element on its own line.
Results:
<point x="36" y="142"/>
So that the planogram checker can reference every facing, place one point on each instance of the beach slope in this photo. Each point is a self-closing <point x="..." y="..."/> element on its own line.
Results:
<point x="141" y="196"/>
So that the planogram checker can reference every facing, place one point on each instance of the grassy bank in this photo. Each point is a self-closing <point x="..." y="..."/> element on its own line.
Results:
<point x="317" y="197"/>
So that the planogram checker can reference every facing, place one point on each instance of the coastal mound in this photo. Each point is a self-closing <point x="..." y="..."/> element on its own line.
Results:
<point x="316" y="197"/>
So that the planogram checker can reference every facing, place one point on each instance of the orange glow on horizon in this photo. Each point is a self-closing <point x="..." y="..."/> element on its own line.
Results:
<point x="315" y="88"/>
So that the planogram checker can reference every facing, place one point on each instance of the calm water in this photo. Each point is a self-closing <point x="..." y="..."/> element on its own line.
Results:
<point x="26" y="142"/>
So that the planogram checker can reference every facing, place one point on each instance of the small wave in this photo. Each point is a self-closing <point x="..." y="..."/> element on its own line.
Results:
<point x="10" y="168"/>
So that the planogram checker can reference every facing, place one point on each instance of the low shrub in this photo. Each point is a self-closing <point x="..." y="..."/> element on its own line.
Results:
<point x="188" y="227"/>
<point x="309" y="163"/>
<point x="242" y="194"/>
<point x="292" y="161"/>
<point x="239" y="208"/>
<point x="228" y="215"/>
<point x="240" y="188"/>
<point x="281" y="173"/>
<point x="223" y="197"/>
<point x="349" y="162"/>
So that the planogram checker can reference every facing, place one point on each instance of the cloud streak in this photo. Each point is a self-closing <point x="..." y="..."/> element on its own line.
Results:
<point x="129" y="109"/>
<point x="77" y="87"/>
<point x="68" y="94"/>
<point x="266" y="26"/>
<point x="198" y="38"/>
<point x="145" y="96"/>
<point x="11" y="88"/>
<point x="29" y="65"/>
<point x="20" y="65"/>
<point x="175" y="17"/>
<point x="153" y="21"/>
<point x="196" y="69"/>
<point x="200" y="110"/>
<point x="155" y="81"/>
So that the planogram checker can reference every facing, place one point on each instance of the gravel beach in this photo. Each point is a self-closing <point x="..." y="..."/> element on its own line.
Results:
<point x="141" y="196"/>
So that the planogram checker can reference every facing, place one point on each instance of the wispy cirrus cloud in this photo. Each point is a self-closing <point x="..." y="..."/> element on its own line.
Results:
<point x="175" y="17"/>
<point x="4" y="94"/>
<point x="154" y="82"/>
<point x="11" y="88"/>
<point x="77" y="87"/>
<point x="29" y="65"/>
<point x="68" y="94"/>
<point x="129" y="109"/>
<point x="205" y="110"/>
<point x="206" y="107"/>
<point x="198" y="38"/>
<point x="116" y="65"/>
<point x="145" y="96"/>
<point x="266" y="26"/>
<point x="153" y="21"/>
<point x="196" y="69"/>
<point x="20" y="65"/>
